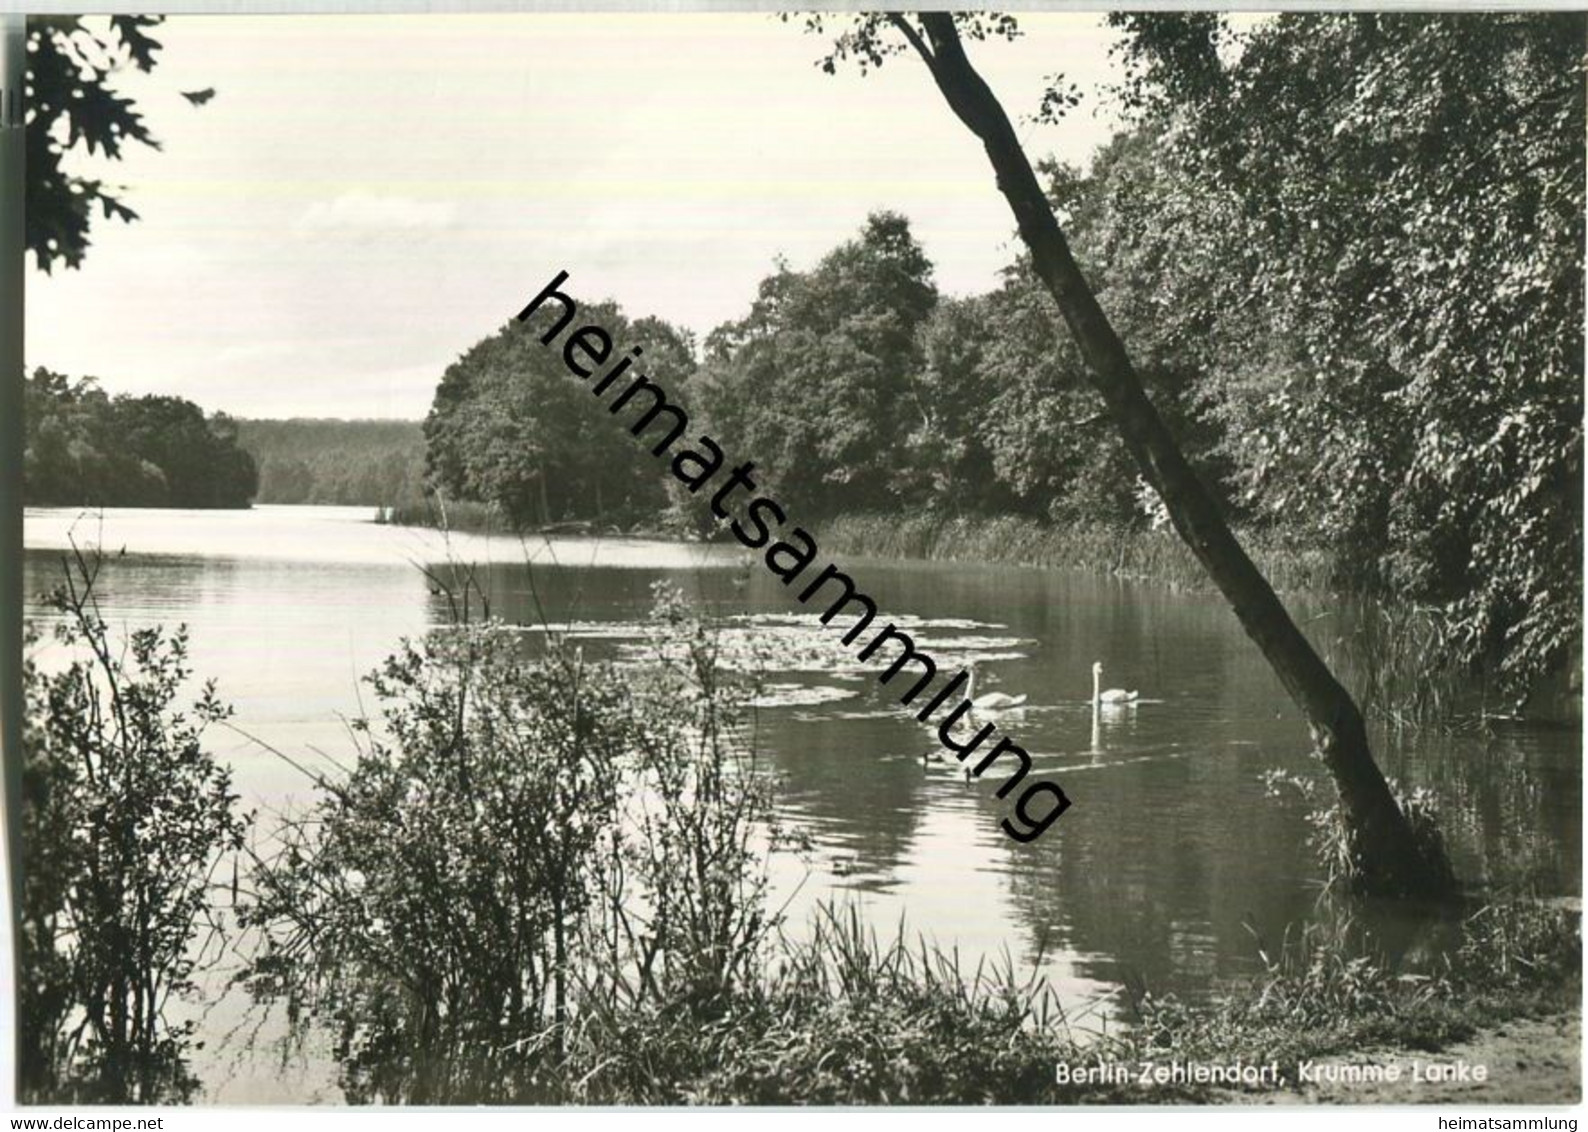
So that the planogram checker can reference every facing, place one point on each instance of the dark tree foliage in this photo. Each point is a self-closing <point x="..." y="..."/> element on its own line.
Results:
<point x="855" y="387"/>
<point x="1376" y="222"/>
<point x="510" y="426"/>
<point x="72" y="102"/>
<point x="374" y="463"/>
<point x="86" y="448"/>
<point x="820" y="382"/>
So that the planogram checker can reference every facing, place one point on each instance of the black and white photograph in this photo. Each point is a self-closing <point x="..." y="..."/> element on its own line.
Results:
<point x="639" y="558"/>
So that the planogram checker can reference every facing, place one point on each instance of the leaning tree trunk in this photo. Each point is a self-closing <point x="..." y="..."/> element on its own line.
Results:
<point x="1390" y="860"/>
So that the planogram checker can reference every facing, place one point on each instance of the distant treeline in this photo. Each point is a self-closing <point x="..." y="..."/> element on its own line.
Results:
<point x="374" y="463"/>
<point x="1370" y="345"/>
<point x="86" y="448"/>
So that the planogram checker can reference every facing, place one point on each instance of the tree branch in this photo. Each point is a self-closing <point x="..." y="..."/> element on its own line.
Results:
<point x="902" y="22"/>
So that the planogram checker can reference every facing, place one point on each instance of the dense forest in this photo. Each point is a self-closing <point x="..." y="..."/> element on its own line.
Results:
<point x="1347" y="261"/>
<point x="378" y="463"/>
<point x="87" y="448"/>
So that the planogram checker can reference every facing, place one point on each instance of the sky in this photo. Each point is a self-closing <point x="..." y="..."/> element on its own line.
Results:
<point x="367" y="196"/>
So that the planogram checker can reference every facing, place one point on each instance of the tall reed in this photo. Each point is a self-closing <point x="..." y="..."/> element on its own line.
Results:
<point x="447" y="515"/>
<point x="1154" y="555"/>
<point x="1400" y="659"/>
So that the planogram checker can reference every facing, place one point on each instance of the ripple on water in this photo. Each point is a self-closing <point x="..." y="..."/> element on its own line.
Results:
<point x="799" y="695"/>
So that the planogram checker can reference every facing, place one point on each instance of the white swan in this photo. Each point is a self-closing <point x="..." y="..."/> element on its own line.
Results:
<point x="1113" y="695"/>
<point x="990" y="701"/>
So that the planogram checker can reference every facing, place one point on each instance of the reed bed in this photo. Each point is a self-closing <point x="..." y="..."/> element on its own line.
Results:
<point x="849" y="1016"/>
<point x="1153" y="555"/>
<point x="1400" y="659"/>
<point x="447" y="515"/>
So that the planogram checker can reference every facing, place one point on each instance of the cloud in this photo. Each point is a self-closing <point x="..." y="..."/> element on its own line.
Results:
<point x="365" y="211"/>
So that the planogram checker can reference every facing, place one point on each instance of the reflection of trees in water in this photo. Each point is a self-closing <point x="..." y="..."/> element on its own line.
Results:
<point x="1510" y="802"/>
<point x="861" y="782"/>
<point x="168" y="587"/>
<point x="863" y="786"/>
<point x="1156" y="886"/>
<point x="1156" y="869"/>
<point x="1164" y="901"/>
<point x="543" y="592"/>
<point x="1173" y="847"/>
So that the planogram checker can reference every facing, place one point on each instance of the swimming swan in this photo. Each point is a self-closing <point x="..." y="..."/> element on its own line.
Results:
<point x="989" y="701"/>
<point x="1113" y="695"/>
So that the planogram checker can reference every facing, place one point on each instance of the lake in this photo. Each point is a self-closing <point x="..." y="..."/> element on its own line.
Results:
<point x="1173" y="861"/>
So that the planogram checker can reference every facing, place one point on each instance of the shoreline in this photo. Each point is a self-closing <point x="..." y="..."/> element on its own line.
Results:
<point x="1392" y="641"/>
<point x="1156" y="556"/>
<point x="1527" y="1061"/>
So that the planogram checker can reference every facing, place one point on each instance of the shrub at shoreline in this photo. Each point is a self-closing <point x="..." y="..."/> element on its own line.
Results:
<point x="471" y="921"/>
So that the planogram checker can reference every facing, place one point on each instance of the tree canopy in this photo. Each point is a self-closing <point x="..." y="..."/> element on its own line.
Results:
<point x="86" y="448"/>
<point x="507" y="427"/>
<point x="1346" y="253"/>
<point x="1361" y="238"/>
<point x="819" y="382"/>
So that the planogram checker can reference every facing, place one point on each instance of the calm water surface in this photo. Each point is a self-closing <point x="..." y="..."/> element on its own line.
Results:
<point x="1172" y="857"/>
